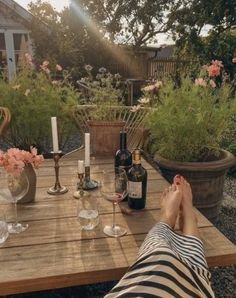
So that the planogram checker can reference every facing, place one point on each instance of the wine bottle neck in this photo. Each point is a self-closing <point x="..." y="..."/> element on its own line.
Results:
<point x="123" y="141"/>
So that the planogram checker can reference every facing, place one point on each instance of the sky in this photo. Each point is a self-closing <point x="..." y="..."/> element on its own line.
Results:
<point x="57" y="4"/>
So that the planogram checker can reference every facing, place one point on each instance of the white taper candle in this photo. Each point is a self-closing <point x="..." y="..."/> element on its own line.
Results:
<point x="54" y="134"/>
<point x="80" y="166"/>
<point x="87" y="149"/>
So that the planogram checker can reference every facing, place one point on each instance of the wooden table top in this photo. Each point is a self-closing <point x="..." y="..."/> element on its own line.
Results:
<point x="55" y="253"/>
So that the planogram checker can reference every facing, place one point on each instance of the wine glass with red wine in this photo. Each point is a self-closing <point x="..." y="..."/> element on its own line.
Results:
<point x="114" y="189"/>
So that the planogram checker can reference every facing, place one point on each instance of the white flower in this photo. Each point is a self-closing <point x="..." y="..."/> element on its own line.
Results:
<point x="117" y="76"/>
<point x="149" y="88"/>
<point x="158" y="84"/>
<point x="212" y="83"/>
<point x="102" y="70"/>
<point x="144" y="100"/>
<point x="134" y="109"/>
<point x="27" y="92"/>
<point x="88" y="67"/>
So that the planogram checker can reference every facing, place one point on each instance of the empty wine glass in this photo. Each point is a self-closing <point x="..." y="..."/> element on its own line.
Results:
<point x="16" y="186"/>
<point x="114" y="189"/>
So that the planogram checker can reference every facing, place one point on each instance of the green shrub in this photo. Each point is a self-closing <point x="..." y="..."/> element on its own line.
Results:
<point x="191" y="120"/>
<point x="33" y="98"/>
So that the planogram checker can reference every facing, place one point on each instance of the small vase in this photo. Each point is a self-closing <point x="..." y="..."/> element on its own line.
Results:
<point x="30" y="195"/>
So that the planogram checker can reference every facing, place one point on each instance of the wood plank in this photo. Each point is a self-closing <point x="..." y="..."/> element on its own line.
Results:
<point x="55" y="207"/>
<point x="68" y="228"/>
<point x="219" y="250"/>
<point x="82" y="262"/>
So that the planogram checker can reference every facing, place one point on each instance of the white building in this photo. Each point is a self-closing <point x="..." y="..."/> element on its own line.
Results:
<point x="15" y="38"/>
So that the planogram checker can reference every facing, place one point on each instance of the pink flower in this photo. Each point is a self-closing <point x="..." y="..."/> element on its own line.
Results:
<point x="45" y="63"/>
<point x="58" y="67"/>
<point x="200" y="82"/>
<point x="234" y="60"/>
<point x="217" y="63"/>
<point x="37" y="160"/>
<point x="44" y="66"/>
<point x="212" y="83"/>
<point x="28" y="58"/>
<point x="213" y="70"/>
<point x="14" y="160"/>
<point x="27" y="92"/>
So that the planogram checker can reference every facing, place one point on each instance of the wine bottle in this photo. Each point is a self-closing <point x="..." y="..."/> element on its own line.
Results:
<point x="137" y="183"/>
<point x="123" y="157"/>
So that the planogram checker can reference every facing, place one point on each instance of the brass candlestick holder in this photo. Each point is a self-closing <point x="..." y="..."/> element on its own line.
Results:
<point x="89" y="184"/>
<point x="57" y="189"/>
<point x="80" y="193"/>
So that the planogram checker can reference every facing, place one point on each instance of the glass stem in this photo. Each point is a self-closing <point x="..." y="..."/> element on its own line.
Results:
<point x="15" y="213"/>
<point x="114" y="215"/>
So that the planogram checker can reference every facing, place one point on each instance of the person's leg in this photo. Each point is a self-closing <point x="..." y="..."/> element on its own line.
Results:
<point x="187" y="216"/>
<point x="171" y="200"/>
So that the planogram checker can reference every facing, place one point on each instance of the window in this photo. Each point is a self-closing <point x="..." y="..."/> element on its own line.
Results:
<point x="21" y="47"/>
<point x="13" y="46"/>
<point x="3" y="53"/>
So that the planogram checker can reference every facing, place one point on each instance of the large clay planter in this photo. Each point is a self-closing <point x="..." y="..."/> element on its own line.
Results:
<point x="30" y="195"/>
<point x="205" y="178"/>
<point x="104" y="137"/>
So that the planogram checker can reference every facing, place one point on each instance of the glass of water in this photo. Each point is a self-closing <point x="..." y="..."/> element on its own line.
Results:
<point x="3" y="227"/>
<point x="88" y="212"/>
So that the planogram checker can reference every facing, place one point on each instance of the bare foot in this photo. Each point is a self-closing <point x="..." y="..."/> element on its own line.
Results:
<point x="171" y="199"/>
<point x="187" y="216"/>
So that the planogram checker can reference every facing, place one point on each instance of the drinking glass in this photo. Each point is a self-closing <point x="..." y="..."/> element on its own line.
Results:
<point x="88" y="212"/>
<point x="3" y="228"/>
<point x="114" y="189"/>
<point x="15" y="188"/>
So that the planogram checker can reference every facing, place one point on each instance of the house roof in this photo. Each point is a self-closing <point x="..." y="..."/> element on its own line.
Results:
<point x="18" y="9"/>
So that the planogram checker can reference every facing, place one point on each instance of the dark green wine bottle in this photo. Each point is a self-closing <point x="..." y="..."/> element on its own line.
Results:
<point x="137" y="183"/>
<point x="123" y="157"/>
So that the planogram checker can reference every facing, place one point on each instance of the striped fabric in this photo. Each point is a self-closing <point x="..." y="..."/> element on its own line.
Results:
<point x="168" y="265"/>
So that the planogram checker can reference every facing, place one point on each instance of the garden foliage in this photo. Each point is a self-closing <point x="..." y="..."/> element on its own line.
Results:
<point x="33" y="97"/>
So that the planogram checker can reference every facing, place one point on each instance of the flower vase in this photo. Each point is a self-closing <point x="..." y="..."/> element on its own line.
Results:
<point x="30" y="195"/>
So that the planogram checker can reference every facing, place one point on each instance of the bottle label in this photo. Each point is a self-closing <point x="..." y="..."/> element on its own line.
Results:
<point x="135" y="189"/>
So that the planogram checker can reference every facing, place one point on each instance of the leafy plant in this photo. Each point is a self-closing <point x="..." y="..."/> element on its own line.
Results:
<point x="192" y="118"/>
<point x="33" y="97"/>
<point x="103" y="91"/>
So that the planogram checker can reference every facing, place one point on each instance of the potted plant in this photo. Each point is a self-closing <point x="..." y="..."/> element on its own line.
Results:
<point x="101" y="105"/>
<point x="14" y="161"/>
<point x="187" y="127"/>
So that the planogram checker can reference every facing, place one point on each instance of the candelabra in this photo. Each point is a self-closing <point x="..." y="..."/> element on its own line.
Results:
<point x="80" y="192"/>
<point x="57" y="189"/>
<point x="89" y="184"/>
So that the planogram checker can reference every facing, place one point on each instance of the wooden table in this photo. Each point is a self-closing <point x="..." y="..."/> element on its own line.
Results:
<point x="55" y="253"/>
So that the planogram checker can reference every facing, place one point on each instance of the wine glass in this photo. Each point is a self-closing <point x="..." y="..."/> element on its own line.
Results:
<point x="17" y="187"/>
<point x="114" y="189"/>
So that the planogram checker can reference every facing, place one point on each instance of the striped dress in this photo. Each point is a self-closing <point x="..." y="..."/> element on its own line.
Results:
<point x="168" y="265"/>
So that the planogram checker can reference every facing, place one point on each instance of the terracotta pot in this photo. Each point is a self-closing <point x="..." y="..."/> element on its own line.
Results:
<point x="105" y="136"/>
<point x="205" y="178"/>
<point x="30" y="195"/>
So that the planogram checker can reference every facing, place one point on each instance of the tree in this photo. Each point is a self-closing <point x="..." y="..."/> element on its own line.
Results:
<point x="127" y="21"/>
<point x="53" y="39"/>
<point x="220" y="43"/>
